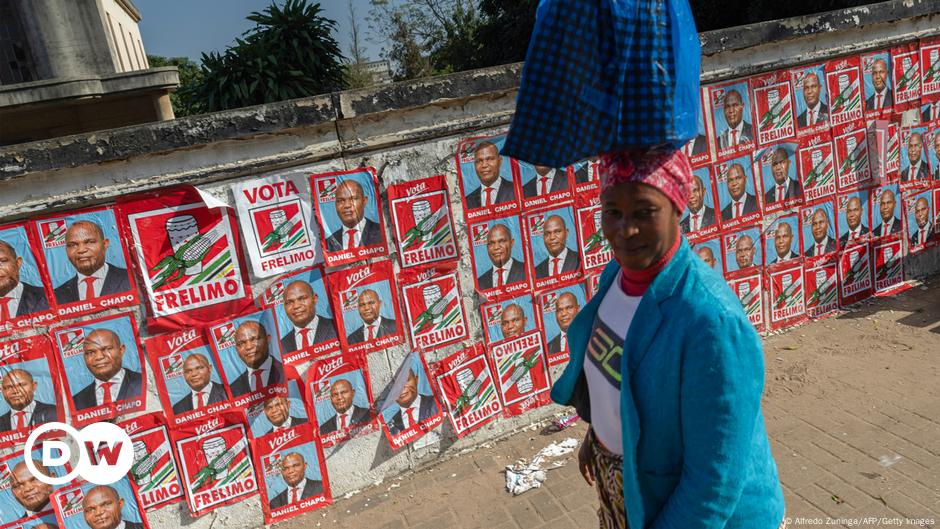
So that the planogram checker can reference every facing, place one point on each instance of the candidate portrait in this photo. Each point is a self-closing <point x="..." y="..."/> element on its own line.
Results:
<point x="707" y="254"/>
<point x="738" y="129"/>
<point x="783" y="186"/>
<point x="916" y="160"/>
<point x="103" y="353"/>
<point x="936" y="153"/>
<point x="882" y="96"/>
<point x="547" y="180"/>
<point x="413" y="407"/>
<point x="505" y="270"/>
<point x="560" y="259"/>
<point x="102" y="507"/>
<point x="17" y="298"/>
<point x="821" y="243"/>
<point x="783" y="244"/>
<point x="494" y="189"/>
<point x="374" y="325"/>
<point x="19" y="392"/>
<point x="197" y="373"/>
<point x="293" y="469"/>
<point x="307" y="327"/>
<point x="584" y="171"/>
<point x="277" y="411"/>
<point x="817" y="111"/>
<point x="566" y="308"/>
<point x="888" y="223"/>
<point x="700" y="214"/>
<point x="922" y="226"/>
<point x="512" y="321"/>
<point x="30" y="493"/>
<point x="86" y="248"/>
<point x="742" y="203"/>
<point x="357" y="230"/>
<point x="855" y="228"/>
<point x="253" y="347"/>
<point x="347" y="414"/>
<point x="744" y="251"/>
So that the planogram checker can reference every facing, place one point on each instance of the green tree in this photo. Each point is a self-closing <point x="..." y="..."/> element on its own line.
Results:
<point x="190" y="76"/>
<point x="357" y="76"/>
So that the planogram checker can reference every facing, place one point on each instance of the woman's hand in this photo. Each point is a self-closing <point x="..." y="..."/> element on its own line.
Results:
<point x="585" y="457"/>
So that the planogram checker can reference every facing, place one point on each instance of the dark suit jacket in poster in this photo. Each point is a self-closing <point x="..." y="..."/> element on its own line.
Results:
<point x="572" y="262"/>
<point x="922" y="174"/>
<point x="747" y="135"/>
<point x="559" y="183"/>
<point x="822" y="117"/>
<point x="505" y="194"/>
<point x="554" y="345"/>
<point x="42" y="414"/>
<point x="583" y="174"/>
<point x="844" y="240"/>
<point x="242" y="386"/>
<point x="794" y="190"/>
<point x="888" y="102"/>
<point x="895" y="228"/>
<point x="33" y="300"/>
<point x="427" y="410"/>
<point x="750" y="206"/>
<point x="371" y="235"/>
<point x="387" y="327"/>
<point x="811" y="248"/>
<point x="326" y="331"/>
<point x="311" y="489"/>
<point x="115" y="282"/>
<point x="294" y="421"/>
<point x="130" y="388"/>
<point x="708" y="220"/>
<point x="216" y="394"/>
<point x="359" y="416"/>
<point x="516" y="274"/>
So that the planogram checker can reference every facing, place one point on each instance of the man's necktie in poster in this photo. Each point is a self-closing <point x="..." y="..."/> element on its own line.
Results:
<point x="306" y="324"/>
<point x="250" y="354"/>
<point x="586" y="177"/>
<point x="281" y="410"/>
<point x="699" y="219"/>
<point x="24" y="296"/>
<point x="276" y="220"/>
<point x="30" y="388"/>
<point x="293" y="474"/>
<point x="816" y="166"/>
<point x="188" y="254"/>
<point x="729" y="119"/>
<point x="433" y="305"/>
<point x="189" y="380"/>
<point x="422" y="220"/>
<point x="487" y="179"/>
<point x="215" y="462"/>
<point x="86" y="262"/>
<point x="773" y="107"/>
<point x="812" y="99"/>
<point x="84" y="505"/>
<point x="102" y="367"/>
<point x="367" y="301"/>
<point x="554" y="256"/>
<point x="408" y="408"/>
<point x="878" y="83"/>
<point x="22" y="496"/>
<point x="499" y="257"/>
<point x="155" y="472"/>
<point x="341" y="395"/>
<point x="558" y="308"/>
<point x="467" y="388"/>
<point x="349" y="210"/>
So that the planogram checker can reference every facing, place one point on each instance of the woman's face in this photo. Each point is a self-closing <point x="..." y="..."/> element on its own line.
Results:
<point x="640" y="223"/>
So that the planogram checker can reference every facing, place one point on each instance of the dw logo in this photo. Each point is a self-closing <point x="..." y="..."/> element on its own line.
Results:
<point x="114" y="453"/>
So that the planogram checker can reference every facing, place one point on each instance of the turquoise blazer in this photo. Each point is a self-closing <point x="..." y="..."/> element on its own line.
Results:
<point x="696" y="454"/>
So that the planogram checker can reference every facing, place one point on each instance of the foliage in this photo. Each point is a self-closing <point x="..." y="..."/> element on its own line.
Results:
<point x="190" y="75"/>
<point x="356" y="74"/>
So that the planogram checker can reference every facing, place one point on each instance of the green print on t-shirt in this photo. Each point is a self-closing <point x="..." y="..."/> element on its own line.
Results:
<point x="605" y="349"/>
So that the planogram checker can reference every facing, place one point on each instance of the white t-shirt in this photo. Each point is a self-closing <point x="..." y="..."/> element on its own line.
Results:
<point x="602" y="364"/>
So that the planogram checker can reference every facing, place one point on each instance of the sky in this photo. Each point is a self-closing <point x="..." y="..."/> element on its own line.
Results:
<point x="186" y="28"/>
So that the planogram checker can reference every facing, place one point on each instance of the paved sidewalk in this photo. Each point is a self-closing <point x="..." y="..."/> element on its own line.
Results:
<point x="853" y="410"/>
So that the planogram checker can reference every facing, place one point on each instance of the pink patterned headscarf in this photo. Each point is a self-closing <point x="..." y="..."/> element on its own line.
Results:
<point x="669" y="172"/>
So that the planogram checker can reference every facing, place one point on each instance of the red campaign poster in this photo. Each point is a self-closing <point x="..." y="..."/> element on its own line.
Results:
<point x="499" y="257"/>
<point x="507" y="317"/>
<point x="818" y="231"/>
<point x="155" y="472"/>
<point x="46" y="520"/>
<point x="855" y="282"/>
<point x="811" y="98"/>
<point x="433" y="305"/>
<point x="349" y="209"/>
<point x="844" y="84"/>
<point x="782" y="241"/>
<point x="886" y="212"/>
<point x="283" y="408"/>
<point x="930" y="71"/>
<point x="776" y="172"/>
<point x="293" y="474"/>
<point x="31" y="393"/>
<point x="31" y="498"/>
<point x="520" y="369"/>
<point x="24" y="295"/>
<point x="742" y="249"/>
<point x="774" y="114"/>
<point x="921" y="220"/>
<point x="854" y="217"/>
<point x="816" y="166"/>
<point x="188" y="376"/>
<point x="787" y="300"/>
<point x="893" y="150"/>
<point x="915" y="170"/>
<point x="554" y="254"/>
<point x="749" y="288"/>
<point x="84" y="260"/>
<point x="591" y="282"/>
<point x="101" y="366"/>
<point x="738" y="194"/>
<point x="877" y="80"/>
<point x="306" y="322"/>
<point x="557" y="308"/>
<point x="877" y="137"/>
<point x="729" y="107"/>
<point x="543" y="186"/>
<point x="367" y="301"/>
<point x="699" y="149"/>
<point x="249" y="355"/>
<point x="586" y="176"/>
<point x="822" y="289"/>
<point x="410" y="408"/>
<point x="888" y="267"/>
<point x="422" y="221"/>
<point x="467" y="387"/>
<point x="905" y="69"/>
<point x="595" y="249"/>
<point x="851" y="149"/>
<point x="117" y="503"/>
<point x="487" y="179"/>
<point x="189" y="256"/>
<point x="340" y="393"/>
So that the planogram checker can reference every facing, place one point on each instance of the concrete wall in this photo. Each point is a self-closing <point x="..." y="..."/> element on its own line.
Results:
<point x="121" y="19"/>
<point x="406" y="130"/>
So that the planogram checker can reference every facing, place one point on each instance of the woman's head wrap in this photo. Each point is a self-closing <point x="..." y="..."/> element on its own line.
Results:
<point x="669" y="172"/>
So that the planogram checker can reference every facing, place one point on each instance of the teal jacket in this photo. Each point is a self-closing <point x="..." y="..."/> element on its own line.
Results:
<point x="696" y="454"/>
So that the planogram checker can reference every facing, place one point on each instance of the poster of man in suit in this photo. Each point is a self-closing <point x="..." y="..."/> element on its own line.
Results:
<point x="24" y="496"/>
<point x="914" y="165"/>
<point x="933" y="154"/>
<point x="370" y="316"/>
<point x="348" y="208"/>
<point x="543" y="185"/>
<point x="558" y="309"/>
<point x="877" y="82"/>
<point x="24" y="301"/>
<point x="854" y="217"/>
<point x="86" y="261"/>
<point x="408" y="407"/>
<point x="103" y="367"/>
<point x="487" y="178"/>
<point x="90" y="506"/>
<point x="554" y="253"/>
<point x="508" y="318"/>
<point x="709" y="251"/>
<point x="699" y="218"/>
<point x="498" y="258"/>
<point x="293" y="474"/>
<point x="818" y="226"/>
<point x="341" y="395"/>
<point x="777" y="168"/>
<point x="250" y="354"/>
<point x="742" y="250"/>
<point x="921" y="224"/>
<point x="28" y="388"/>
<point x="730" y="108"/>
<point x="886" y="221"/>
<point x="737" y="192"/>
<point x="782" y="241"/>
<point x="305" y="323"/>
<point x="280" y="411"/>
<point x="812" y="99"/>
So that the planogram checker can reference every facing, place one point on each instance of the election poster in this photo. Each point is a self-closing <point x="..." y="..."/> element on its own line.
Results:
<point x="86" y="262"/>
<point x="341" y="395"/>
<point x="921" y="221"/>
<point x="592" y="283"/>
<point x="787" y="299"/>
<point x="749" y="288"/>
<point x="775" y="170"/>
<point x="250" y="355"/>
<point x="811" y="99"/>
<point x="729" y="106"/>
<point x="742" y="249"/>
<point x="39" y="521"/>
<point x="854" y="217"/>
<point x="877" y="137"/>
<point x="543" y="186"/>
<point x="557" y="310"/>
<point x="915" y="170"/>
<point x="930" y="111"/>
<point x="877" y="80"/>
<point x="855" y="282"/>
<point x="816" y="167"/>
<point x="554" y="255"/>
<point x="508" y="318"/>
<point x="930" y="70"/>
<point x="595" y="247"/>
<point x="349" y="209"/>
<point x="487" y="179"/>
<point x="282" y="409"/>
<point x="306" y="324"/>
<point x="818" y="230"/>
<point x="710" y="252"/>
<point x="886" y="212"/>
<point x="738" y="196"/>
<point x="31" y="393"/>
<point x="520" y="372"/>
<point x="699" y="219"/>
<point x="408" y="408"/>
<point x="888" y="267"/>
<point x="367" y="301"/>
<point x="433" y="305"/>
<point x="932" y="144"/>
<point x="18" y="501"/>
<point x="467" y="388"/>
<point x="893" y="153"/>
<point x="155" y="472"/>
<point x="293" y="474"/>
<point x="698" y="149"/>
<point x="782" y="241"/>
<point x="24" y="296"/>
<point x="844" y="84"/>
<point x="83" y="505"/>
<point x="498" y="257"/>
<point x="275" y="218"/>
<point x="772" y="95"/>
<point x="188" y="377"/>
<point x="101" y="367"/>
<point x="851" y="150"/>
<point x="822" y="289"/>
<point x="906" y="76"/>
<point x="188" y="254"/>
<point x="422" y="221"/>
<point x="586" y="174"/>
<point x="215" y="461"/>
